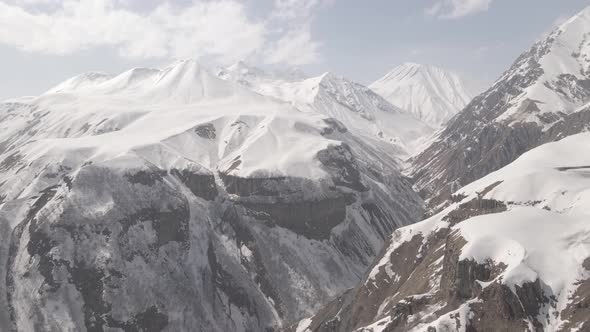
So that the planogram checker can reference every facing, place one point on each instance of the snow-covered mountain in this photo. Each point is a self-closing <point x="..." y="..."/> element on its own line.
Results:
<point x="542" y="97"/>
<point x="512" y="253"/>
<point x="431" y="94"/>
<point x="177" y="199"/>
<point x="170" y="199"/>
<point x="183" y="82"/>
<point x="362" y="111"/>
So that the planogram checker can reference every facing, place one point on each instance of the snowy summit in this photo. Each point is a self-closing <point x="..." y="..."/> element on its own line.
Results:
<point x="431" y="94"/>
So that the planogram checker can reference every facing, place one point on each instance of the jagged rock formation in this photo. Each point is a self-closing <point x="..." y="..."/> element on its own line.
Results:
<point x="173" y="200"/>
<point x="542" y="97"/>
<point x="510" y="254"/>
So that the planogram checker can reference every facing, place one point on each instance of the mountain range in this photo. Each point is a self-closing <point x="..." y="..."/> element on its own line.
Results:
<point x="360" y="109"/>
<point x="245" y="199"/>
<point x="117" y="190"/>
<point x="504" y="246"/>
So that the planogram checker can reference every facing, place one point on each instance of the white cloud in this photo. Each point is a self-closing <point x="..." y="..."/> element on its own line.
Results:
<point x="216" y="28"/>
<point x="298" y="9"/>
<point x="296" y="48"/>
<point x="450" y="9"/>
<point x="295" y="45"/>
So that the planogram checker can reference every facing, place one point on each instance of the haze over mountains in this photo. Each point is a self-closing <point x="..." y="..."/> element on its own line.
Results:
<point x="187" y="198"/>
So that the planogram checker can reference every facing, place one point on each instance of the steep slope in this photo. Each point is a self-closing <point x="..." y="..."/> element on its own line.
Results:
<point x="173" y="200"/>
<point x="431" y="94"/>
<point x="540" y="98"/>
<point x="512" y="253"/>
<point x="362" y="111"/>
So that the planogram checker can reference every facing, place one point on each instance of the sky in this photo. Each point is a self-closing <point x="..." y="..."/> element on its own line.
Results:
<point x="43" y="42"/>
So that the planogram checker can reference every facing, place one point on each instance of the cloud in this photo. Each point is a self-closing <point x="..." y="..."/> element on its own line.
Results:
<point x="451" y="9"/>
<point x="294" y="9"/>
<point x="296" y="47"/>
<point x="215" y="28"/>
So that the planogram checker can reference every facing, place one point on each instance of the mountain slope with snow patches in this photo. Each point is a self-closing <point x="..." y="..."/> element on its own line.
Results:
<point x="511" y="253"/>
<point x="431" y="94"/>
<point x="171" y="199"/>
<point x="362" y="111"/>
<point x="544" y="96"/>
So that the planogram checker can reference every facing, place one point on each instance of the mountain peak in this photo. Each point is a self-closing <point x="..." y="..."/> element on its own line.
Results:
<point x="549" y="75"/>
<point x="185" y="67"/>
<point x="183" y="81"/>
<point x="81" y="81"/>
<point x="584" y="14"/>
<point x="431" y="94"/>
<point x="330" y="76"/>
<point x="540" y="98"/>
<point x="412" y="65"/>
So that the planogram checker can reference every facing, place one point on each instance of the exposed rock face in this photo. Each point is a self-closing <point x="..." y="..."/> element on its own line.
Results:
<point x="426" y="286"/>
<point x="206" y="131"/>
<point x="98" y="269"/>
<point x="500" y="257"/>
<point x="534" y="102"/>
<point x="425" y="279"/>
<point x="158" y="250"/>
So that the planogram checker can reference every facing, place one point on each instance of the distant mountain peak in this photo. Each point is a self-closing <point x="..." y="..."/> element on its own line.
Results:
<point x="430" y="93"/>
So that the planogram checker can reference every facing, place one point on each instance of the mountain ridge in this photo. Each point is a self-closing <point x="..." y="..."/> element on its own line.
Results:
<point x="541" y="97"/>
<point x="360" y="109"/>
